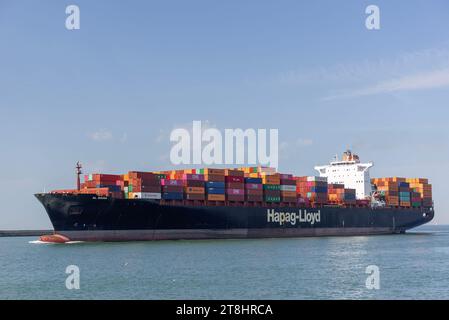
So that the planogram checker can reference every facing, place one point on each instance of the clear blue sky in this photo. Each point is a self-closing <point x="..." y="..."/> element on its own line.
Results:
<point x="110" y="93"/>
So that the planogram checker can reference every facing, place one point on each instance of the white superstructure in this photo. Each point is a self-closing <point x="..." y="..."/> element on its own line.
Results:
<point x="350" y="172"/>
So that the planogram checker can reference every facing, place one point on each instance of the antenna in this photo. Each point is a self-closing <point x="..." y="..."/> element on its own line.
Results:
<point x="78" y="173"/>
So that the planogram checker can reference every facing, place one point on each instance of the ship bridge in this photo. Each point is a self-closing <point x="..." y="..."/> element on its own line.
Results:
<point x="350" y="172"/>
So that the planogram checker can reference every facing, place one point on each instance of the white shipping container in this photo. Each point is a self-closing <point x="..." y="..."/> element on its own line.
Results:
<point x="147" y="195"/>
<point x="267" y="170"/>
<point x="288" y="188"/>
<point x="321" y="179"/>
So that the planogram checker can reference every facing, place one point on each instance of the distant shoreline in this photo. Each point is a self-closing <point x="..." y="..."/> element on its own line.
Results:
<point x="24" y="233"/>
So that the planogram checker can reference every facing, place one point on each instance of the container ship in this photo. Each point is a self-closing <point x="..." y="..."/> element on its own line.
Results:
<point x="248" y="202"/>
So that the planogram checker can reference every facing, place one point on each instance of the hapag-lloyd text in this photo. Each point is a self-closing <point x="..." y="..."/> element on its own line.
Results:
<point x="293" y="217"/>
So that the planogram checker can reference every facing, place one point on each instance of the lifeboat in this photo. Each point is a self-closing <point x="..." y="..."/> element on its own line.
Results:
<point x="54" y="238"/>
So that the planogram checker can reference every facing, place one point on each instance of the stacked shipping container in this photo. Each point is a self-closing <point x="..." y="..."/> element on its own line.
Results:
<point x="421" y="186"/>
<point x="102" y="185"/>
<point x="405" y="192"/>
<point x="215" y="184"/>
<point x="271" y="186"/>
<point x="337" y="193"/>
<point x="194" y="186"/>
<point x="312" y="188"/>
<point x="144" y="185"/>
<point x="250" y="184"/>
<point x="235" y="185"/>
<point x="288" y="188"/>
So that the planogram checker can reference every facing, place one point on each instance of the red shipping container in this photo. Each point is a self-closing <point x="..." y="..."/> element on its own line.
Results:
<point x="254" y="192"/>
<point x="194" y="196"/>
<point x="105" y="177"/>
<point x="288" y="199"/>
<point x="175" y="182"/>
<point x="254" y="198"/>
<point x="288" y="182"/>
<point x="193" y="183"/>
<point x="196" y="177"/>
<point x="272" y="193"/>
<point x="235" y="197"/>
<point x="146" y="182"/>
<point x="253" y="186"/>
<point x="234" y="173"/>
<point x="143" y="175"/>
<point x="140" y="188"/>
<point x="235" y="191"/>
<point x="235" y="185"/>
<point x="178" y="189"/>
<point x="234" y="179"/>
<point x="214" y="177"/>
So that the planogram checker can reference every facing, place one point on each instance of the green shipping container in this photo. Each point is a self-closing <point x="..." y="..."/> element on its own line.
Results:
<point x="275" y="187"/>
<point x="272" y="199"/>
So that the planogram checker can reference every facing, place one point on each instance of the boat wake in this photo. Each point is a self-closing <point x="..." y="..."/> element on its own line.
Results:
<point x="46" y="242"/>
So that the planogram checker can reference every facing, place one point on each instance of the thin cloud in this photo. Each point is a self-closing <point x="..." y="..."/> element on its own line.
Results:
<point x="101" y="135"/>
<point x="301" y="142"/>
<point x="414" y="62"/>
<point x="427" y="80"/>
<point x="124" y="138"/>
<point x="95" y="166"/>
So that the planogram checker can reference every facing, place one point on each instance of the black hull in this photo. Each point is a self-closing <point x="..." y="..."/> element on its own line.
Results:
<point x="91" y="218"/>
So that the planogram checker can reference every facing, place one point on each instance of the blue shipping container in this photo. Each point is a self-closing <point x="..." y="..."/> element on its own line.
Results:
<point x="215" y="184"/>
<point x="253" y="180"/>
<point x="113" y="188"/>
<point x="319" y="189"/>
<point x="215" y="190"/>
<point x="172" y="195"/>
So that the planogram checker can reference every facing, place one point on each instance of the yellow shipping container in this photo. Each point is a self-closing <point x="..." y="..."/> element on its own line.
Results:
<point x="332" y="197"/>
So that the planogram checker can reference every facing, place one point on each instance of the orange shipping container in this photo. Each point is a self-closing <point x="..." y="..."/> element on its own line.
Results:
<point x="217" y="172"/>
<point x="194" y="190"/>
<point x="291" y="194"/>
<point x="103" y="192"/>
<point x="271" y="179"/>
<point x="234" y="173"/>
<point x="216" y="197"/>
<point x="214" y="177"/>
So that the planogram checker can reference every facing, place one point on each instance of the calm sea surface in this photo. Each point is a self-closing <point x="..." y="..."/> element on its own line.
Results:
<point x="412" y="266"/>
